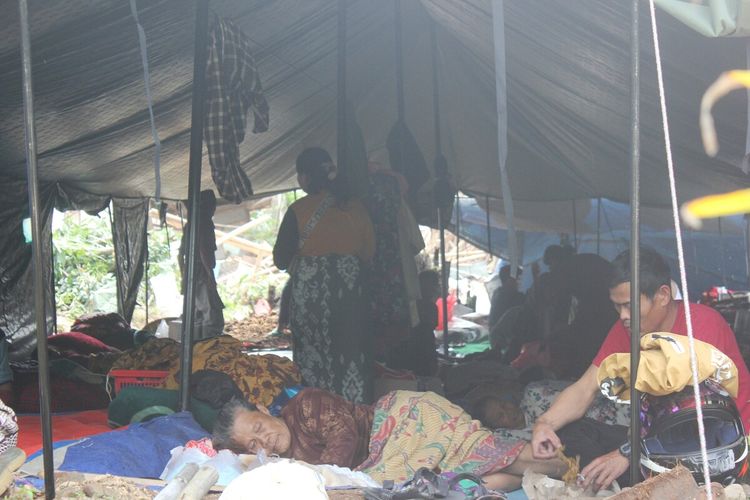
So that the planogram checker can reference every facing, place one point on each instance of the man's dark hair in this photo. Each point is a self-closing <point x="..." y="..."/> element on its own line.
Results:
<point x="654" y="271"/>
<point x="222" y="437"/>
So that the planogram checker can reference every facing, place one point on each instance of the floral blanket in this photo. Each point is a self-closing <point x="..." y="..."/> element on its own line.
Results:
<point x="260" y="378"/>
<point x="421" y="429"/>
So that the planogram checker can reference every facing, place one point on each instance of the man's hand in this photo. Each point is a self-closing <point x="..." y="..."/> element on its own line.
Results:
<point x="603" y="470"/>
<point x="544" y="441"/>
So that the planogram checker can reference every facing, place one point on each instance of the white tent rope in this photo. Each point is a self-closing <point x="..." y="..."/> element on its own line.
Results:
<point x="680" y="255"/>
<point x="149" y="100"/>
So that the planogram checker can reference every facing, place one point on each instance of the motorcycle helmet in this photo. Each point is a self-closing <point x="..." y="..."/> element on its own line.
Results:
<point x="669" y="434"/>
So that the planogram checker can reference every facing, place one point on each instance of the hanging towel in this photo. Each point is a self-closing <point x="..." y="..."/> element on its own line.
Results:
<point x="232" y="88"/>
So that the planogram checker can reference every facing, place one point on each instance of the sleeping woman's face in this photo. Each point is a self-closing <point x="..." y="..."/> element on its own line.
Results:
<point x="256" y="430"/>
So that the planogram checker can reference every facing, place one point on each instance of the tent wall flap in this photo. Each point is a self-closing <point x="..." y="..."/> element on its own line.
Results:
<point x="16" y="284"/>
<point x="129" y="235"/>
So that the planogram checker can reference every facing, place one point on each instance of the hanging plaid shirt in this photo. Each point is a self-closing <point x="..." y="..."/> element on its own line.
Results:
<point x="232" y="87"/>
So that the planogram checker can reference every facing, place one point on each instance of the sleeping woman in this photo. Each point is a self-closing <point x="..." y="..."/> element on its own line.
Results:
<point x="401" y="433"/>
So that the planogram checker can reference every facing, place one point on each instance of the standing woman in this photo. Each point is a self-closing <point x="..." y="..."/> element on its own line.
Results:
<point x="325" y="242"/>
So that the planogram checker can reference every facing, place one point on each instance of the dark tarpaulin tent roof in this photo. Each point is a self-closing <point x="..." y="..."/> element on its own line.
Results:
<point x="568" y="88"/>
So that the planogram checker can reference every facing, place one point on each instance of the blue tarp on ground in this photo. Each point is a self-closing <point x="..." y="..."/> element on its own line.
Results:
<point x="141" y="450"/>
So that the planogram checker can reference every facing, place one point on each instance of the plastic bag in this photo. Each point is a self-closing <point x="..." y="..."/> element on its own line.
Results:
<point x="225" y="462"/>
<point x="162" y="331"/>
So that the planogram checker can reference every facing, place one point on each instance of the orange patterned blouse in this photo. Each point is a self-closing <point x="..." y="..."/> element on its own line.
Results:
<point x="328" y="429"/>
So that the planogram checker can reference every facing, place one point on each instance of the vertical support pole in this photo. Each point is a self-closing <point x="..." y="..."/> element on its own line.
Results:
<point x="194" y="190"/>
<point x="489" y="227"/>
<point x="575" y="225"/>
<point x="747" y="247"/>
<point x="145" y="302"/>
<point x="399" y="59"/>
<point x="635" y="237"/>
<point x="441" y="171"/>
<point x="598" y="225"/>
<point x="341" y="85"/>
<point x="443" y="281"/>
<point x="458" y="242"/>
<point x="36" y="231"/>
<point x="723" y="255"/>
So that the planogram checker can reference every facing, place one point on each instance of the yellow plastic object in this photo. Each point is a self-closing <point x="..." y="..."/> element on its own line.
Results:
<point x="727" y="82"/>
<point x="715" y="205"/>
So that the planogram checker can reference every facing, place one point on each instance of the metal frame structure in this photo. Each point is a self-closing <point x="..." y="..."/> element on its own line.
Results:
<point x="194" y="189"/>
<point x="37" y="253"/>
<point x="341" y="145"/>
<point x="635" y="239"/>
<point x="441" y="209"/>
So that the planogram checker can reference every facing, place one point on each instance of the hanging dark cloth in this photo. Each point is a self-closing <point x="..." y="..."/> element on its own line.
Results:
<point x="232" y="88"/>
<point x="209" y="315"/>
<point x="355" y="165"/>
<point x="129" y="235"/>
<point x="16" y="272"/>
<point x="405" y="157"/>
<point x="389" y="301"/>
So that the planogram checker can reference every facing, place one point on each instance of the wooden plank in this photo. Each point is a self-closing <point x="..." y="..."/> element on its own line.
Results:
<point x="248" y="246"/>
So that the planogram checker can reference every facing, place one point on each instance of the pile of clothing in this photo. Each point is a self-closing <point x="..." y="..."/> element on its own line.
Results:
<point x="79" y="363"/>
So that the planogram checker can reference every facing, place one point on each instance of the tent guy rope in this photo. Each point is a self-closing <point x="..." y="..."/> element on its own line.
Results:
<point x="147" y="83"/>
<point x="680" y="254"/>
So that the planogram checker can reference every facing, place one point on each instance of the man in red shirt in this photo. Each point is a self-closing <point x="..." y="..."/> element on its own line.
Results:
<point x="659" y="313"/>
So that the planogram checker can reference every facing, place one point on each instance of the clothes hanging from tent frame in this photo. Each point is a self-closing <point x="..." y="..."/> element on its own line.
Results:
<point x="209" y="315"/>
<point x="232" y="88"/>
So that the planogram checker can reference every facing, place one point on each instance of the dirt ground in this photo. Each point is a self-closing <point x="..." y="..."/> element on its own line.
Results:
<point x="256" y="332"/>
<point x="72" y="485"/>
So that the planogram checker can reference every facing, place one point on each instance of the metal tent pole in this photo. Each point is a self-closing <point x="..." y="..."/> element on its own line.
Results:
<point x="458" y="243"/>
<point x="489" y="228"/>
<point x="598" y="225"/>
<point x="575" y="225"/>
<point x="194" y="190"/>
<point x="723" y="255"/>
<point x="440" y="161"/>
<point x="747" y="247"/>
<point x="145" y="302"/>
<point x="635" y="236"/>
<point x="36" y="231"/>
<point x="341" y="85"/>
<point x="401" y="107"/>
